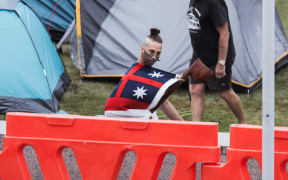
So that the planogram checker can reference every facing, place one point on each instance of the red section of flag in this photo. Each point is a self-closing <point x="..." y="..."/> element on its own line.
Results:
<point x="130" y="76"/>
<point x="123" y="104"/>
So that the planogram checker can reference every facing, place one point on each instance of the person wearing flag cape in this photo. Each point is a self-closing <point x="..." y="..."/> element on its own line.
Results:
<point x="140" y="90"/>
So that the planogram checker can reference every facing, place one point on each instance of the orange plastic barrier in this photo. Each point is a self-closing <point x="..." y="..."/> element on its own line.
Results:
<point x="99" y="145"/>
<point x="246" y="143"/>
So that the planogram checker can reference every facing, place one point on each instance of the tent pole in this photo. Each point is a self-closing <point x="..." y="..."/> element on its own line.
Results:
<point x="268" y="50"/>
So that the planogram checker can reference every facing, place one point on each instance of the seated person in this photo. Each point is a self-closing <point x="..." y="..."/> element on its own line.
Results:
<point x="141" y="88"/>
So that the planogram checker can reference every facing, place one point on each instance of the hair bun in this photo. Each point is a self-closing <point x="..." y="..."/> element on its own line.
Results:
<point x="154" y="32"/>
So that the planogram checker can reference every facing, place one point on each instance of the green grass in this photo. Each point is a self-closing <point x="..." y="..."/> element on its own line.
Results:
<point x="89" y="97"/>
<point x="282" y="6"/>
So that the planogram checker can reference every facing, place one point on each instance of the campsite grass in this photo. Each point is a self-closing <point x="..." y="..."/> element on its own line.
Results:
<point x="89" y="97"/>
<point x="282" y="6"/>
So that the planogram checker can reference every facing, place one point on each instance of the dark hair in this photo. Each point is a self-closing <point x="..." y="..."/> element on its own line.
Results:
<point x="154" y="35"/>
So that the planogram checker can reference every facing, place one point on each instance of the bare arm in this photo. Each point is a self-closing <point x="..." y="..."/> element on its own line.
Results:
<point x="223" y="41"/>
<point x="170" y="111"/>
<point x="223" y="49"/>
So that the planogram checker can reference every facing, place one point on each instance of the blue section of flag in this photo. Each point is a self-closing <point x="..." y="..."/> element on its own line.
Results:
<point x="154" y="74"/>
<point x="139" y="91"/>
<point x="115" y="89"/>
<point x="133" y="92"/>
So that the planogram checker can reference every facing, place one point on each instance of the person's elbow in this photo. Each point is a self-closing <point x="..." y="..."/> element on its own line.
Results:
<point x="223" y="31"/>
<point x="225" y="35"/>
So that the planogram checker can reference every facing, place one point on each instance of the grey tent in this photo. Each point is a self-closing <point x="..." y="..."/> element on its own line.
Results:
<point x="110" y="34"/>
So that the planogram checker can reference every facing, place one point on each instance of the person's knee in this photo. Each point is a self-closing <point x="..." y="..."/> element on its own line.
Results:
<point x="228" y="94"/>
<point x="197" y="90"/>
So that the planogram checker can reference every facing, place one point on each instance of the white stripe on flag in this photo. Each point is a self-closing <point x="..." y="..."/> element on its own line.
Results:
<point x="161" y="92"/>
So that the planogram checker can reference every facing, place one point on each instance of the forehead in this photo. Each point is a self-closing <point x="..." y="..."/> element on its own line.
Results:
<point x="154" y="45"/>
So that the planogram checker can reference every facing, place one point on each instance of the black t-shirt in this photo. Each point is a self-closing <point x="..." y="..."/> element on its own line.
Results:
<point x="203" y="18"/>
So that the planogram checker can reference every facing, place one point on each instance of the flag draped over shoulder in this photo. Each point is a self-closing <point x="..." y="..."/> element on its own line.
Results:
<point x="141" y="88"/>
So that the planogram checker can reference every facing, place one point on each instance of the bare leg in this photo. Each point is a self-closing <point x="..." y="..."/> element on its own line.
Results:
<point x="235" y="104"/>
<point x="197" y="101"/>
<point x="170" y="111"/>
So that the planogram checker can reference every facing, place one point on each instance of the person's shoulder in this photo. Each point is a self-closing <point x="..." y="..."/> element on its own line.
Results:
<point x="213" y="2"/>
<point x="136" y="64"/>
<point x="216" y="3"/>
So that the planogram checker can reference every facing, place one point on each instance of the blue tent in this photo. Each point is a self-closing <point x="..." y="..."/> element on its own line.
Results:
<point x="32" y="76"/>
<point x="56" y="15"/>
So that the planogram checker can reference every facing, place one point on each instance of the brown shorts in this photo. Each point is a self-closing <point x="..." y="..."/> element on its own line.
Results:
<point x="216" y="84"/>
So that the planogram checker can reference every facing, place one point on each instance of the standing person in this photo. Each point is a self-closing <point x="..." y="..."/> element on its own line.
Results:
<point x="136" y="93"/>
<point x="212" y="42"/>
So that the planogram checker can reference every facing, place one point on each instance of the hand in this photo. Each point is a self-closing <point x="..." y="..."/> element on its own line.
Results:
<point x="220" y="71"/>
